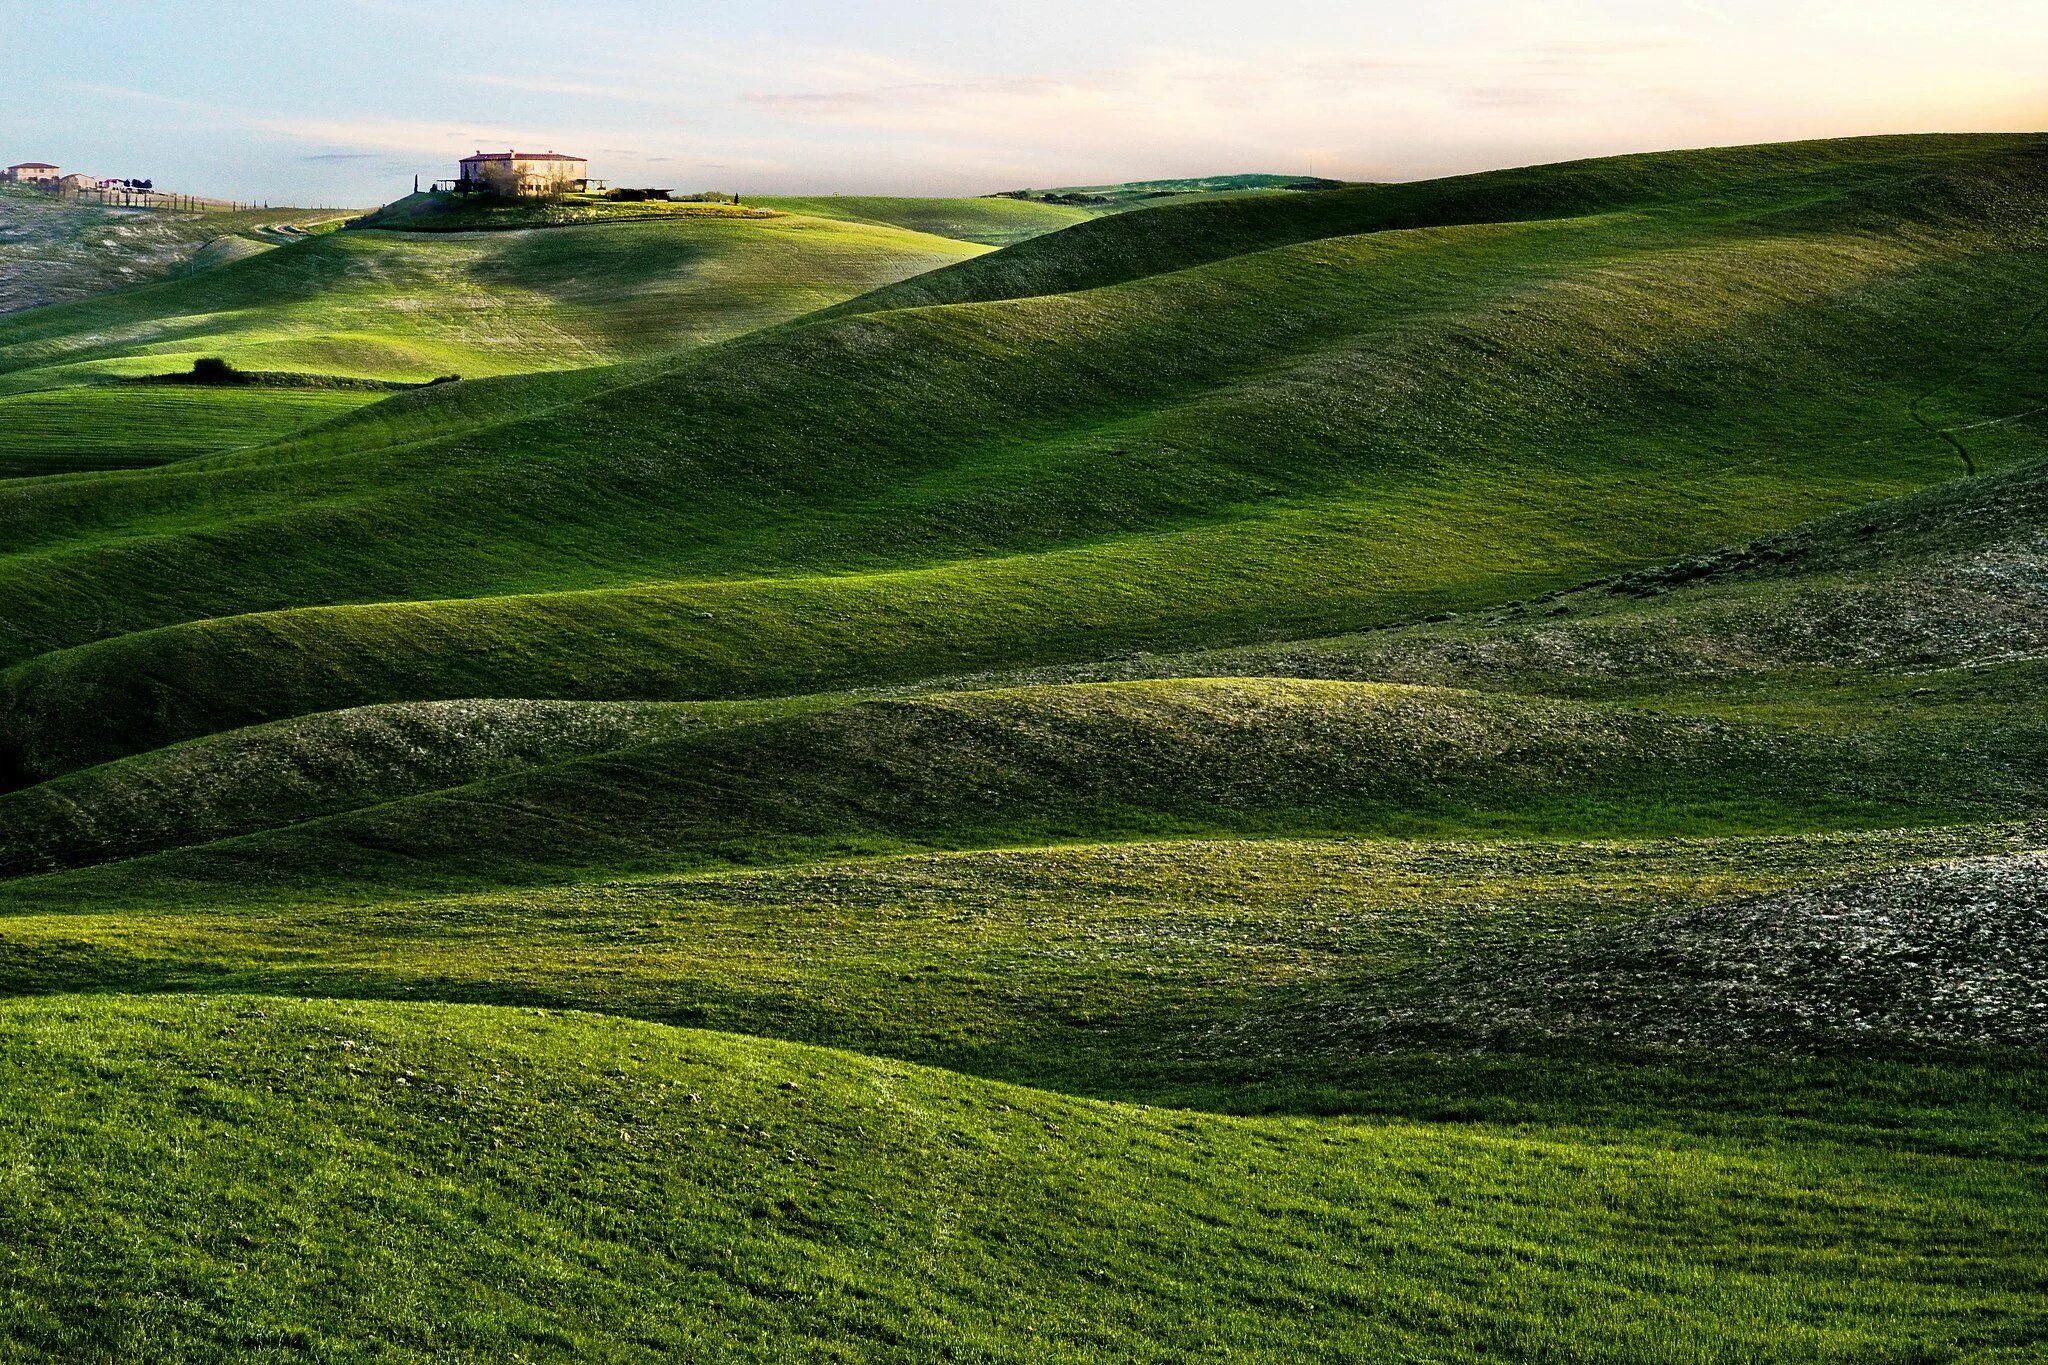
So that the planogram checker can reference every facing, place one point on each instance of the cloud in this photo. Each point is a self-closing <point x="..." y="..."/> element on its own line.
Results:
<point x="915" y="94"/>
<point x="127" y="93"/>
<point x="1518" y="98"/>
<point x="389" y="135"/>
<point x="1379" y="91"/>
<point x="582" y="90"/>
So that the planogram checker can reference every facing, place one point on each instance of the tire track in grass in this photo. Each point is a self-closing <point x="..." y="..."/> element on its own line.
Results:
<point x="1947" y="435"/>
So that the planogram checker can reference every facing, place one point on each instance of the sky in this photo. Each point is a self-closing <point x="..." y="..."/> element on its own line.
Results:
<point x="342" y="102"/>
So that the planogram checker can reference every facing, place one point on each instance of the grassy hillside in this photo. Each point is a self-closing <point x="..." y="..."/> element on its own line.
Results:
<point x="404" y="306"/>
<point x="413" y="307"/>
<point x="1287" y="442"/>
<point x="479" y="1183"/>
<point x="61" y="431"/>
<point x="990" y="221"/>
<point x="1130" y="194"/>
<point x="1876" y="179"/>
<point x="1447" y="772"/>
<point x="440" y="212"/>
<point x="53" y="250"/>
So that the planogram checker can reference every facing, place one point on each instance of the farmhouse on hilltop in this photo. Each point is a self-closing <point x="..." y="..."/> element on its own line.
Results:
<point x="523" y="175"/>
<point x="30" y="173"/>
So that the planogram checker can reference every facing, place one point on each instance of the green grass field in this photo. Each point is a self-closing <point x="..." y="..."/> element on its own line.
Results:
<point x="991" y="222"/>
<point x="411" y="307"/>
<point x="53" y="249"/>
<point x="56" y="431"/>
<point x="444" y="212"/>
<point x="1447" y="772"/>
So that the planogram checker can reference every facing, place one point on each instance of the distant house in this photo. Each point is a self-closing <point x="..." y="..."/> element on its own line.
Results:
<point x="523" y="175"/>
<point x="79" y="181"/>
<point x="30" y="173"/>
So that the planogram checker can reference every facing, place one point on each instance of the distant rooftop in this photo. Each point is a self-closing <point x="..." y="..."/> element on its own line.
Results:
<point x="521" y="156"/>
<point x="32" y="166"/>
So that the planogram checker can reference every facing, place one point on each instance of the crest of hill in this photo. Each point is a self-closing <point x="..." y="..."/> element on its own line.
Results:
<point x="437" y="212"/>
<point x="1177" y="235"/>
<point x="1020" y="215"/>
<point x="1128" y="194"/>
<point x="989" y="221"/>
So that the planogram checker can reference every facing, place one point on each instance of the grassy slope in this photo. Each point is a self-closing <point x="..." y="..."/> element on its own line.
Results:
<point x="410" y="307"/>
<point x="280" y="774"/>
<point x="1727" y="182"/>
<point x="1248" y="975"/>
<point x="1940" y="590"/>
<point x="424" y="212"/>
<point x="53" y="250"/>
<point x="1074" y="966"/>
<point x="396" y="306"/>
<point x="60" y="431"/>
<point x="1891" y="732"/>
<point x="992" y="222"/>
<point x="1180" y="458"/>
<point x="294" y="1178"/>
<point x="1356" y="1170"/>
<point x="1023" y="767"/>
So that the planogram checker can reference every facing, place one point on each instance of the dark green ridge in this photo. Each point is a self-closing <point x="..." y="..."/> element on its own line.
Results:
<point x="1934" y="592"/>
<point x="1736" y="181"/>
<point x="1209" y="757"/>
<point x="1879" y="630"/>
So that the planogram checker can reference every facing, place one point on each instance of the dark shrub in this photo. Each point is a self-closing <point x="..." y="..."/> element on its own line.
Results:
<point x="211" y="369"/>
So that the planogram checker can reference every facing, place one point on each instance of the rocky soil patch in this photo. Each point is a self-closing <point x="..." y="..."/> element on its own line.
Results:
<point x="1948" y="954"/>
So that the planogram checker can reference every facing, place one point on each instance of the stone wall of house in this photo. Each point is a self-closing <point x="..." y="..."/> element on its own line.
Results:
<point x="526" y="177"/>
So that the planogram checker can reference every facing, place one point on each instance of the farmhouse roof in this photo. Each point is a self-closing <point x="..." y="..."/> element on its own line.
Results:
<point x="521" y="156"/>
<point x="31" y="166"/>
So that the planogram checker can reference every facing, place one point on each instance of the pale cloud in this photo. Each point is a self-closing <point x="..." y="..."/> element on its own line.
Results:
<point x="1541" y="79"/>
<point x="128" y="95"/>
<point x="582" y="90"/>
<point x="437" y="140"/>
<point x="1369" y="89"/>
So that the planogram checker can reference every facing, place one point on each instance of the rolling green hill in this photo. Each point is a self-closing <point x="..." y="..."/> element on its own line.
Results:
<point x="53" y="249"/>
<point x="412" y="307"/>
<point x="1287" y="442"/>
<point x="496" y="1183"/>
<point x="1018" y="216"/>
<point x="1451" y="771"/>
<point x="990" y="221"/>
<point x="1130" y="194"/>
<point x="447" y="212"/>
